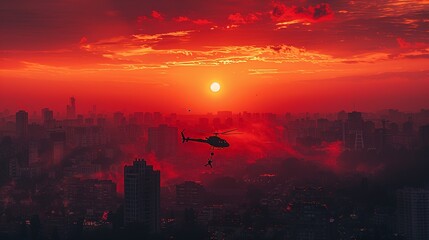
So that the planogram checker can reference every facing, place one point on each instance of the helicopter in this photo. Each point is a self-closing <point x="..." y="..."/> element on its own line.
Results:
<point x="214" y="141"/>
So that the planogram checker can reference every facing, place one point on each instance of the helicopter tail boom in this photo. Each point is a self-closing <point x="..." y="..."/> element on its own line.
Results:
<point x="187" y="139"/>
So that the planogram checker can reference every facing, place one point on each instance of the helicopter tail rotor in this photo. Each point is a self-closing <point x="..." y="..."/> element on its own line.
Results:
<point x="184" y="139"/>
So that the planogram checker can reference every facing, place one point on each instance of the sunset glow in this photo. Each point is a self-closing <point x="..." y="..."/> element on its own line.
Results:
<point x="324" y="55"/>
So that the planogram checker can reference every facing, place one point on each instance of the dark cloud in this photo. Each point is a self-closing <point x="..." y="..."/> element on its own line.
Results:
<point x="61" y="24"/>
<point x="319" y="12"/>
<point x="47" y="25"/>
<point x="322" y="10"/>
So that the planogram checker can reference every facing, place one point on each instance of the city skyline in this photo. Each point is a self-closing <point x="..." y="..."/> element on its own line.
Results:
<point x="47" y="112"/>
<point x="115" y="176"/>
<point x="320" y="138"/>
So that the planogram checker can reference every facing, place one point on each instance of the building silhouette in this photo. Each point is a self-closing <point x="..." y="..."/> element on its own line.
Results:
<point x="71" y="109"/>
<point x="413" y="213"/>
<point x="48" y="117"/>
<point x="355" y="138"/>
<point x="189" y="195"/>
<point x="142" y="196"/>
<point x="21" y="124"/>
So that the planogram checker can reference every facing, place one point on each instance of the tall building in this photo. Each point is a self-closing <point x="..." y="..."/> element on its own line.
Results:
<point x="163" y="140"/>
<point x="413" y="213"/>
<point x="48" y="117"/>
<point x="71" y="109"/>
<point x="355" y="131"/>
<point x="58" y="139"/>
<point x="355" y="120"/>
<point x="142" y="195"/>
<point x="21" y="124"/>
<point x="189" y="195"/>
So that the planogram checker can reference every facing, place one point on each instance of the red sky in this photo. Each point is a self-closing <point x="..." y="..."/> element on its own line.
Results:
<point x="133" y="55"/>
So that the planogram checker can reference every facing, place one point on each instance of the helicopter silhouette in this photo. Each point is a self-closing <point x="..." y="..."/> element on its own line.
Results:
<point x="214" y="141"/>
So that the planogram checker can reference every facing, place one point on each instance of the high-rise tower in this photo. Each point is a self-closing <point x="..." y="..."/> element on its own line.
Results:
<point x="413" y="213"/>
<point x="21" y="124"/>
<point x="142" y="195"/>
<point x="71" y="109"/>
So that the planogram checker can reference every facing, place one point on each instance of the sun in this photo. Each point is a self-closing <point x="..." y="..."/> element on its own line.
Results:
<point x="215" y="87"/>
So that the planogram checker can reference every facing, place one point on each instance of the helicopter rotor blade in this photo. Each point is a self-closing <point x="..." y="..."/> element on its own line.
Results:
<point x="232" y="133"/>
<point x="228" y="131"/>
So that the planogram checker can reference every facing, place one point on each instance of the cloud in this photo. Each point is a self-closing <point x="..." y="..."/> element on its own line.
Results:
<point x="83" y="40"/>
<point x="238" y="18"/>
<point x="258" y="71"/>
<point x="160" y="36"/>
<point x="318" y="13"/>
<point x="157" y="15"/>
<point x="200" y="21"/>
<point x="181" y="19"/>
<point x="413" y="45"/>
<point x="136" y="44"/>
<point x="138" y="48"/>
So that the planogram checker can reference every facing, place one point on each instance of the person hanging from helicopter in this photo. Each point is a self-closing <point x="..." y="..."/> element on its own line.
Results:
<point x="209" y="162"/>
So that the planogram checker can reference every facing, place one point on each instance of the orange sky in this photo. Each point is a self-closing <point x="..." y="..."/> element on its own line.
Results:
<point x="280" y="56"/>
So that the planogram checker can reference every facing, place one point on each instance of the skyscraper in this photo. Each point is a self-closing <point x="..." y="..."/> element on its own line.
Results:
<point x="142" y="195"/>
<point x="71" y="109"/>
<point x="48" y="118"/>
<point x="413" y="213"/>
<point x="47" y="115"/>
<point x="355" y="130"/>
<point x="21" y="124"/>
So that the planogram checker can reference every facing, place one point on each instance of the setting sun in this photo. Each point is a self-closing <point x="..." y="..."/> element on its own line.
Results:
<point x="215" y="87"/>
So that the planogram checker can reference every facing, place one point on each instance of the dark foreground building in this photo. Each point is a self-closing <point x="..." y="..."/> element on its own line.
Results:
<point x="142" y="196"/>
